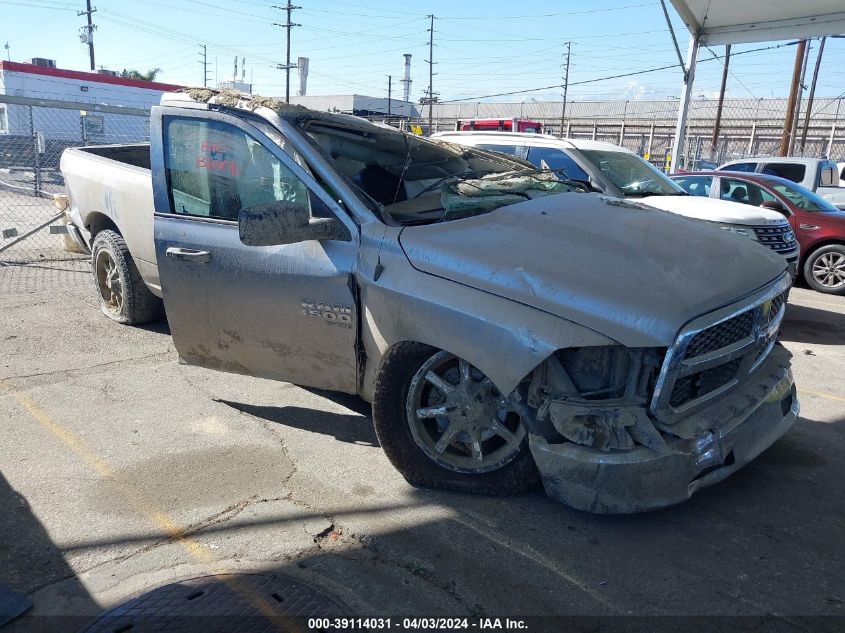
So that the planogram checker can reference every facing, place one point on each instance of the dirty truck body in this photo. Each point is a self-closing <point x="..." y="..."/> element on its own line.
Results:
<point x="504" y="325"/>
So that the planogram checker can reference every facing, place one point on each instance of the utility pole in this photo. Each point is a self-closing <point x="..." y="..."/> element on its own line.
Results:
<point x="801" y="87"/>
<point x="793" y="96"/>
<point x="288" y="25"/>
<point x="718" y="124"/>
<point x="811" y="95"/>
<point x="204" y="63"/>
<point x="430" y="96"/>
<point x="565" y="88"/>
<point x="88" y="32"/>
<point x="389" y="94"/>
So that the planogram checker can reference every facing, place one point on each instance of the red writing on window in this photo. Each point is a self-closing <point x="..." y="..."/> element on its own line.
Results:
<point x="222" y="166"/>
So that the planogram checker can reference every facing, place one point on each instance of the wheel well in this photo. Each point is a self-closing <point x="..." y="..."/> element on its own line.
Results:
<point x="817" y="245"/>
<point x="98" y="222"/>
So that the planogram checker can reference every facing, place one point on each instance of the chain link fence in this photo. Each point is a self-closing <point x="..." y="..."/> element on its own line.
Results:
<point x="749" y="127"/>
<point x="35" y="132"/>
<point x="33" y="135"/>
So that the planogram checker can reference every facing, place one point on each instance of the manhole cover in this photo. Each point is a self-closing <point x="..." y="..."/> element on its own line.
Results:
<point x="231" y="603"/>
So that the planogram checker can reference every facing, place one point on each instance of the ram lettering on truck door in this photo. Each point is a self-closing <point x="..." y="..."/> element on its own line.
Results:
<point x="284" y="312"/>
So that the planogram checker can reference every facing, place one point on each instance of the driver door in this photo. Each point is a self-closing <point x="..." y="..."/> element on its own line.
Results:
<point x="282" y="312"/>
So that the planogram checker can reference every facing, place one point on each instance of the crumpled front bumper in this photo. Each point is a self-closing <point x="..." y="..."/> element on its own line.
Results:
<point x="745" y="423"/>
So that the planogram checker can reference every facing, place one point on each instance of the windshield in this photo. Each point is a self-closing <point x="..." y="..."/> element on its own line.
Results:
<point x="631" y="174"/>
<point x="802" y="197"/>
<point x="417" y="181"/>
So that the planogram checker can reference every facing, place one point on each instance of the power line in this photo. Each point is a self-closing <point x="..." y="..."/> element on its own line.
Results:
<point x="619" y="76"/>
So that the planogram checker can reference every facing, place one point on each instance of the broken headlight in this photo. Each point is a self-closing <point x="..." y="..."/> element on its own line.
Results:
<point x="597" y="396"/>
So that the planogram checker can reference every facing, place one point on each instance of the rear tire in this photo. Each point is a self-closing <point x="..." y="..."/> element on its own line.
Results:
<point x="411" y="445"/>
<point x="122" y="294"/>
<point x="824" y="269"/>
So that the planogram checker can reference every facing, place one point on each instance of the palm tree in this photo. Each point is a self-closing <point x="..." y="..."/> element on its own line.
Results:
<point x="150" y="75"/>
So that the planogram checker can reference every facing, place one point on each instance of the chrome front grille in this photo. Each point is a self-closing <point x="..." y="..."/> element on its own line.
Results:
<point x="718" y="351"/>
<point x="779" y="238"/>
<point x="721" y="335"/>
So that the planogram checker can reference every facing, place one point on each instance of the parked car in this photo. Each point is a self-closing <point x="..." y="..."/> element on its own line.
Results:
<point x="819" y="175"/>
<point x="818" y="225"/>
<point x="618" y="172"/>
<point x="503" y="323"/>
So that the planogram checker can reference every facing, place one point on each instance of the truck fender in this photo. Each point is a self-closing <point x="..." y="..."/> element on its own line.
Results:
<point x="502" y="338"/>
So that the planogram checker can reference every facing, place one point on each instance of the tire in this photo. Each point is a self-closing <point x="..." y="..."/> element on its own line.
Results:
<point x="122" y="294"/>
<point x="824" y="269"/>
<point x="393" y="417"/>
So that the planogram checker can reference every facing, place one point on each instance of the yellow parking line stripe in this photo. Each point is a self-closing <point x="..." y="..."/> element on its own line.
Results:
<point x="131" y="494"/>
<point x="828" y="396"/>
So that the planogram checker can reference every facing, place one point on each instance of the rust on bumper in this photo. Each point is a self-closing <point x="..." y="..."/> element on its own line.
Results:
<point x="743" y="425"/>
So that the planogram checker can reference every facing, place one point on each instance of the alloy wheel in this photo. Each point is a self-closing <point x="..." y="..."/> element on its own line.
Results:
<point x="458" y="417"/>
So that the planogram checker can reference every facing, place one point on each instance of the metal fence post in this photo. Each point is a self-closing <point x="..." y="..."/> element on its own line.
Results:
<point x="650" y="139"/>
<point x="833" y="129"/>
<point x="36" y="157"/>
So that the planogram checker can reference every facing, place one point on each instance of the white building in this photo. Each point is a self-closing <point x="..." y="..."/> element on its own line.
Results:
<point x="359" y="105"/>
<point x="43" y="81"/>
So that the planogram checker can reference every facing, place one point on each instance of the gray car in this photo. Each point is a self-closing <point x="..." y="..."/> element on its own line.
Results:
<point x="504" y="324"/>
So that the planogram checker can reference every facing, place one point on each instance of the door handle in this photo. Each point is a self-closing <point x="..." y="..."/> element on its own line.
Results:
<point x="188" y="254"/>
<point x="808" y="227"/>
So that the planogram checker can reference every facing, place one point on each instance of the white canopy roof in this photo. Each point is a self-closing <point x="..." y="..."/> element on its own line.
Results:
<point x="739" y="21"/>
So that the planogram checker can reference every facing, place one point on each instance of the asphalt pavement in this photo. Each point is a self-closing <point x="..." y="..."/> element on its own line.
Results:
<point x="123" y="470"/>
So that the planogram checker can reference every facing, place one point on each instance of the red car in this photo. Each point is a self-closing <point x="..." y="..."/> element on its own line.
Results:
<point x="818" y="225"/>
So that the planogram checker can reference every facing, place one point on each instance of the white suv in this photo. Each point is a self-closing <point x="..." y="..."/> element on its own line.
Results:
<point x="618" y="172"/>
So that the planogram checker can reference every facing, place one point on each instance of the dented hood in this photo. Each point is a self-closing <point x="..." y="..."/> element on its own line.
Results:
<point x="634" y="274"/>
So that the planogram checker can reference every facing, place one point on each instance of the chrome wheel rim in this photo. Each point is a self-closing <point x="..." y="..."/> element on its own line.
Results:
<point x="829" y="270"/>
<point x="108" y="282"/>
<point x="458" y="417"/>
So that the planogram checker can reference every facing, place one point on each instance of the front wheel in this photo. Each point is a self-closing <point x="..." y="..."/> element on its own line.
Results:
<point x="443" y="424"/>
<point x="824" y="269"/>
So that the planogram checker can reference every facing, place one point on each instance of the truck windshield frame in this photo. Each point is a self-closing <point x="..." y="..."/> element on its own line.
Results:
<point x="399" y="175"/>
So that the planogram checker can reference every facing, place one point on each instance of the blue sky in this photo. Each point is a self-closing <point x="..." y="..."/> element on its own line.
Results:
<point x="481" y="48"/>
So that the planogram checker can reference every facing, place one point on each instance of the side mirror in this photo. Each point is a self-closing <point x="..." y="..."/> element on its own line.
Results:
<point x="283" y="222"/>
<point x="775" y="205"/>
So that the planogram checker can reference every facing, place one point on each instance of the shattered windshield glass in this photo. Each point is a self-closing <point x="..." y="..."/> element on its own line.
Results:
<point x="417" y="181"/>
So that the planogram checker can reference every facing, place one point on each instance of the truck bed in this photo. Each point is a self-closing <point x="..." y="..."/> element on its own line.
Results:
<point x="135" y="155"/>
<point x="110" y="186"/>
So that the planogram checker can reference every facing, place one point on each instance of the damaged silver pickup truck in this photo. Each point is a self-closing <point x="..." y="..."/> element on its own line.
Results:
<point x="504" y="323"/>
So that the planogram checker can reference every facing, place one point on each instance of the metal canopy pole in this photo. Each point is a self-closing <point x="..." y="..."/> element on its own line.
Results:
<point x="683" y="106"/>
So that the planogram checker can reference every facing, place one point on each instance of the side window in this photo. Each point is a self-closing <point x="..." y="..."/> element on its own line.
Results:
<point x="695" y="185"/>
<point x="744" y="192"/>
<point x="514" y="150"/>
<point x="745" y="167"/>
<point x="790" y="171"/>
<point x="214" y="170"/>
<point x="557" y="159"/>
